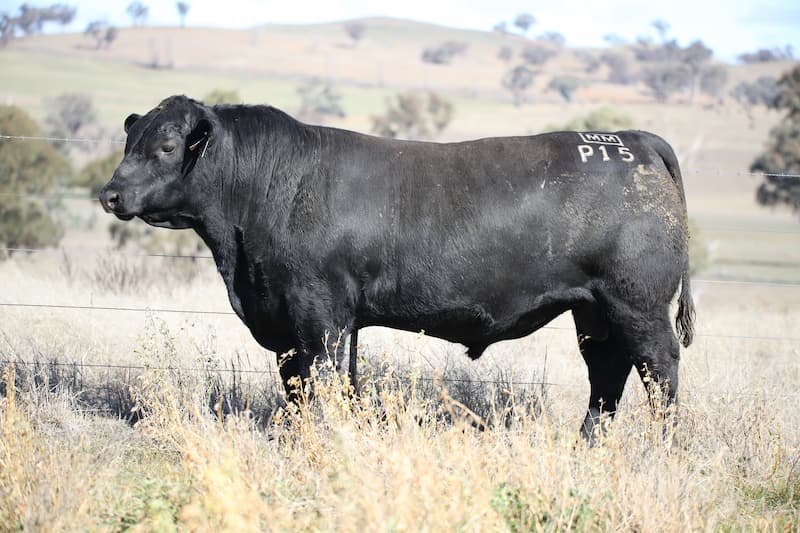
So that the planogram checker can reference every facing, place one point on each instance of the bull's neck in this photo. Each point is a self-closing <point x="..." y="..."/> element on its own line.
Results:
<point x="264" y="171"/>
<point x="220" y="237"/>
<point x="252" y="186"/>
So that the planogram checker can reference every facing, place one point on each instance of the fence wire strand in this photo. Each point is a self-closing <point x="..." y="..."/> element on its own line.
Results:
<point x="60" y="139"/>
<point x="265" y="372"/>
<point x="231" y="313"/>
<point x="401" y="376"/>
<point x="85" y="252"/>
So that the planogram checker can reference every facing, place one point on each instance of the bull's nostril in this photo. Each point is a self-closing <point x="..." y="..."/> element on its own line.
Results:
<point x="112" y="199"/>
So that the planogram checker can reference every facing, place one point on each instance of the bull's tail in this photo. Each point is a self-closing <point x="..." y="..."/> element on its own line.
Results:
<point x="684" y="320"/>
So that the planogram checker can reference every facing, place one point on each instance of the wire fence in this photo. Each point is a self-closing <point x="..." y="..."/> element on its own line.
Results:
<point x="156" y="310"/>
<point x="60" y="139"/>
<point x="405" y="377"/>
<point x="194" y="257"/>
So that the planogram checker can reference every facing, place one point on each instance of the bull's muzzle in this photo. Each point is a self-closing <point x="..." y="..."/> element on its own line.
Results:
<point x="111" y="201"/>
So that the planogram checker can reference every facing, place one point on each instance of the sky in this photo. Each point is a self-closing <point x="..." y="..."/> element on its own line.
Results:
<point x="729" y="27"/>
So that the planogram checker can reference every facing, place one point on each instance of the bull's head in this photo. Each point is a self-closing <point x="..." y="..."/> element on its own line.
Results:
<point x="153" y="180"/>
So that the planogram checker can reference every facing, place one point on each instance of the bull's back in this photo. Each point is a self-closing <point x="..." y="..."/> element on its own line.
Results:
<point x="510" y="191"/>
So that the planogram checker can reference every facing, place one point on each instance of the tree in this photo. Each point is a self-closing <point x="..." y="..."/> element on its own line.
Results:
<point x="444" y="53"/>
<point x="780" y="162"/>
<point x="222" y="96"/>
<point x="713" y="79"/>
<point x="662" y="27"/>
<point x="696" y="57"/>
<point x="766" y="55"/>
<point x="763" y="91"/>
<point x="413" y="115"/>
<point x="355" y="30"/>
<point x="618" y="68"/>
<point x="97" y="173"/>
<point x="553" y="37"/>
<point x="665" y="79"/>
<point x="69" y="113"/>
<point x="30" y="171"/>
<point x="590" y="61"/>
<point x="138" y="12"/>
<point x="31" y="20"/>
<point x="505" y="53"/>
<point x="7" y="29"/>
<point x="565" y="86"/>
<point x="644" y="50"/>
<point x="613" y="39"/>
<point x="102" y="32"/>
<point x="319" y="100"/>
<point x="524" y="21"/>
<point x="537" y="54"/>
<point x="183" y="10"/>
<point x="501" y="28"/>
<point x="672" y="68"/>
<point x="517" y="81"/>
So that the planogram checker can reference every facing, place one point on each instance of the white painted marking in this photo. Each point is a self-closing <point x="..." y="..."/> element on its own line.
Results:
<point x="625" y="154"/>
<point x="601" y="138"/>
<point x="586" y="152"/>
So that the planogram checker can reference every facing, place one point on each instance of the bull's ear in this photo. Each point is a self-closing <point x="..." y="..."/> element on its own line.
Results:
<point x="198" y="138"/>
<point x="130" y="120"/>
<point x="196" y="145"/>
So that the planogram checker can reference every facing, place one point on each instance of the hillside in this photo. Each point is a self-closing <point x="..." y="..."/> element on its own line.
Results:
<point x="388" y="55"/>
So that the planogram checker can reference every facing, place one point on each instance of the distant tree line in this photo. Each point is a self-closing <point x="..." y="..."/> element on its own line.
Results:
<point x="31" y="20"/>
<point x="413" y="115"/>
<point x="444" y="53"/>
<point x="766" y="55"/>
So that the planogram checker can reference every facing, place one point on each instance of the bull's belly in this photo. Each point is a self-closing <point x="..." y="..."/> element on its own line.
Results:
<point x="475" y="327"/>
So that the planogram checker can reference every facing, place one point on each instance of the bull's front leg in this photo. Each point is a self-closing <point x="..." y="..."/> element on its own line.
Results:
<point x="294" y="367"/>
<point x="320" y="342"/>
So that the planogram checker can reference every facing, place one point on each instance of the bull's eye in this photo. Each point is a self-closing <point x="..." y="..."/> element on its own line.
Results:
<point x="167" y="148"/>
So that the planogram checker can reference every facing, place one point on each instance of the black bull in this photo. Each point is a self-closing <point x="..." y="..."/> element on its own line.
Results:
<point x="318" y="232"/>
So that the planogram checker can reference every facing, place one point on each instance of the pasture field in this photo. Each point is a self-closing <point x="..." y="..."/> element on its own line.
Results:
<point x="407" y="457"/>
<point x="103" y="333"/>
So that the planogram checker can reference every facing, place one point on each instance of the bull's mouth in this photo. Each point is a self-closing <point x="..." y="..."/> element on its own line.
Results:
<point x="158" y="216"/>
<point x="171" y="219"/>
<point x="124" y="216"/>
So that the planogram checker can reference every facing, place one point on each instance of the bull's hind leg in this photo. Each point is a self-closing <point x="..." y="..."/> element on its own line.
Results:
<point x="608" y="369"/>
<point x="649" y="342"/>
<point x="656" y="356"/>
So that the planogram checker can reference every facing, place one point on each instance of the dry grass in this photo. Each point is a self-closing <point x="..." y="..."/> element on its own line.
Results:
<point x="205" y="456"/>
